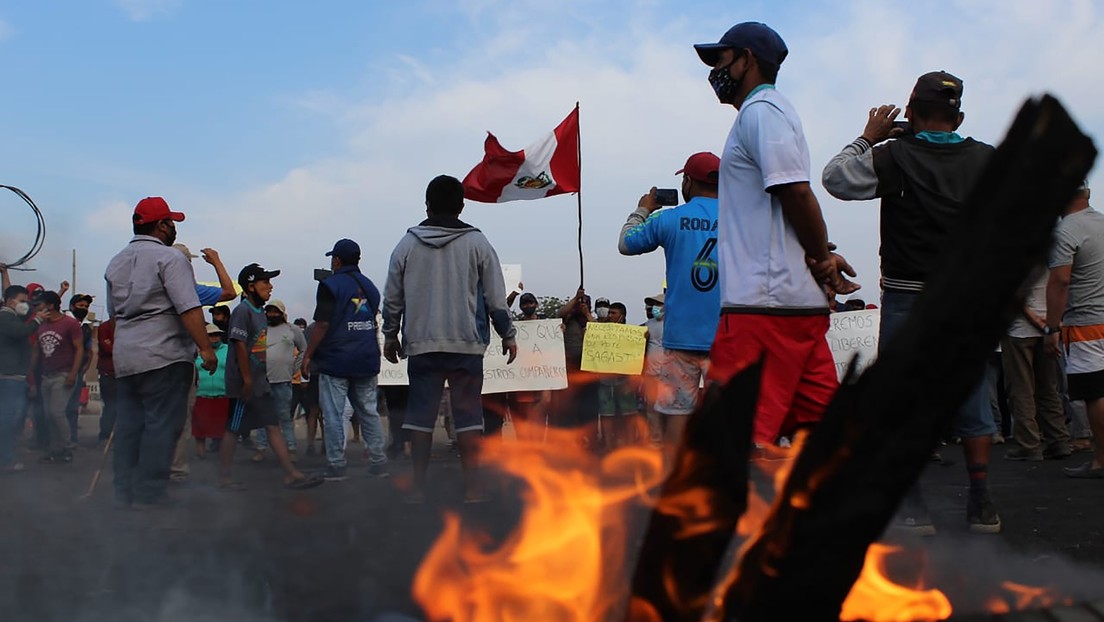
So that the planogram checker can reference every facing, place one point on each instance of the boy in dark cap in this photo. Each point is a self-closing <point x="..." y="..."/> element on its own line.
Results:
<point x="252" y="406"/>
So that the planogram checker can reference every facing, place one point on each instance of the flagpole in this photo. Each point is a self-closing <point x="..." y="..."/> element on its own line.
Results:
<point x="579" y="194"/>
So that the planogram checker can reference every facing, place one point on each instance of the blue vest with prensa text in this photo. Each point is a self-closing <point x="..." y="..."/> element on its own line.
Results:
<point x="351" y="346"/>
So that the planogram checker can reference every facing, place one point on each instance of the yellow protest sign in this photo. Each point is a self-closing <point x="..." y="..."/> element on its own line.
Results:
<point x="614" y="348"/>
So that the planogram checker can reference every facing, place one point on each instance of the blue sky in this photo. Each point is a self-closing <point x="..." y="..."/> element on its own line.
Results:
<point x="279" y="127"/>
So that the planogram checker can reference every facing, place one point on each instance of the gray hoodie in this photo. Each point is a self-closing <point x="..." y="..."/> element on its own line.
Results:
<point x="445" y="288"/>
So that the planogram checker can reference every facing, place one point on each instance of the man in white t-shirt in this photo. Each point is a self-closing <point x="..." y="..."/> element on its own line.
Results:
<point x="775" y="259"/>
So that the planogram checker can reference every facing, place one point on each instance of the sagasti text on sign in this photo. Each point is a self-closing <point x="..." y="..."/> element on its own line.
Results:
<point x="614" y="348"/>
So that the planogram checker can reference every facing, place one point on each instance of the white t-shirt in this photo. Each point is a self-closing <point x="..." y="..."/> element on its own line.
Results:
<point x="762" y="262"/>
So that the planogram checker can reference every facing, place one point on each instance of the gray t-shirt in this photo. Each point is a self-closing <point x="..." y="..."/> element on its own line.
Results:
<point x="286" y="347"/>
<point x="1079" y="240"/>
<point x="248" y="325"/>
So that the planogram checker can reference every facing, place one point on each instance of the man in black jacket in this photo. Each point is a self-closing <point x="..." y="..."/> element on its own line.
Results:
<point x="923" y="178"/>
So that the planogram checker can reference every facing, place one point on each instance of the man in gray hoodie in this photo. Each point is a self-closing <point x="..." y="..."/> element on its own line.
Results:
<point x="445" y="289"/>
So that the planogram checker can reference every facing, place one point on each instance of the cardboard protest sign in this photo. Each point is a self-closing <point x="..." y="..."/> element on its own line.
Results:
<point x="511" y="274"/>
<point x="851" y="334"/>
<point x="540" y="364"/>
<point x="614" y="348"/>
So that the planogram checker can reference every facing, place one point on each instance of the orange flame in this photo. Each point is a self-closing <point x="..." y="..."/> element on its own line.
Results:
<point x="565" y="561"/>
<point x="876" y="598"/>
<point x="1025" y="597"/>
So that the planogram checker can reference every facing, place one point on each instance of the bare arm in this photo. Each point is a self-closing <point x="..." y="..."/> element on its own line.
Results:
<point x="570" y="305"/>
<point x="1057" y="296"/>
<point x="802" y="210"/>
<point x="243" y="367"/>
<point x="211" y="256"/>
<point x="78" y="354"/>
<point x="5" y="278"/>
<point x="317" y="335"/>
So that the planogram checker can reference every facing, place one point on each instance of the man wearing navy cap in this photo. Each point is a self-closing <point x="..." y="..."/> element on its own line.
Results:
<point x="344" y="346"/>
<point x="774" y="257"/>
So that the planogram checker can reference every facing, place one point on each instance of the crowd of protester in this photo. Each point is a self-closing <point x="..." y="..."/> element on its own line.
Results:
<point x="750" y="276"/>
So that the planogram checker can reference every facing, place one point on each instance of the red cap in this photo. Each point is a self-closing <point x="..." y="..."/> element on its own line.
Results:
<point x="702" y="167"/>
<point x="153" y="209"/>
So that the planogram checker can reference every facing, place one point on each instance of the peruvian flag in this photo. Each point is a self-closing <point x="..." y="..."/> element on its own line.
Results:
<point x="548" y="166"/>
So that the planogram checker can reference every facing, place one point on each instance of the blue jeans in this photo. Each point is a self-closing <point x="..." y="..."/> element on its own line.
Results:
<point x="151" y="408"/>
<point x="13" y="400"/>
<point x="281" y="397"/>
<point x="975" y="417"/>
<point x="361" y="394"/>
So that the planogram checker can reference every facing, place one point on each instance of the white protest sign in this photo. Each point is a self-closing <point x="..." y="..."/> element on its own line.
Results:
<point x="851" y="334"/>
<point x="511" y="275"/>
<point x="540" y="364"/>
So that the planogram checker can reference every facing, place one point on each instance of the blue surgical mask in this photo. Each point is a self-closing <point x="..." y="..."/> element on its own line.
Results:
<point x="657" y="313"/>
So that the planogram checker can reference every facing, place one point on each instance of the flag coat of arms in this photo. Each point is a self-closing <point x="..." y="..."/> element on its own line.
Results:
<point x="547" y="167"/>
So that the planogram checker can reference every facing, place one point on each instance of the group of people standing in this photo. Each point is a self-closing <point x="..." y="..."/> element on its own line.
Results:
<point x="750" y="275"/>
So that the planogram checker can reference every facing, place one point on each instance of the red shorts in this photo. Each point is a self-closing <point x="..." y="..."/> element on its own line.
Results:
<point x="799" y="374"/>
<point x="209" y="417"/>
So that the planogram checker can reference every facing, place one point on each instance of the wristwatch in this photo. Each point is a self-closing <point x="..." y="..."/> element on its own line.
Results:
<point x="1051" y="330"/>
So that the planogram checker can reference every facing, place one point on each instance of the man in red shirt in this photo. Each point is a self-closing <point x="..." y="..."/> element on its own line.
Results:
<point x="105" y="364"/>
<point x="59" y="348"/>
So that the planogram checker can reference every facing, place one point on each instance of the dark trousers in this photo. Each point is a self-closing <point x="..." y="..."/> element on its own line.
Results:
<point x="1031" y="379"/>
<point x="151" y="408"/>
<point x="495" y="408"/>
<point x="396" y="397"/>
<point x="72" y="409"/>
<point x="108" y="399"/>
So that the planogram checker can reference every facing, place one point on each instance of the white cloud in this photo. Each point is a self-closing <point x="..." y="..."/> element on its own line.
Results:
<point x="645" y="106"/>
<point x="147" y="10"/>
<point x="6" y="30"/>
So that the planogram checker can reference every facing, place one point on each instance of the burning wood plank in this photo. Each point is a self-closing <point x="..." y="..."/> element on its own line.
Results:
<point x="700" y="505"/>
<point x="880" y="430"/>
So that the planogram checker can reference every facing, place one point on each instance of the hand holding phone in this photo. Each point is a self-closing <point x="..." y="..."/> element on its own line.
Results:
<point x="666" y="196"/>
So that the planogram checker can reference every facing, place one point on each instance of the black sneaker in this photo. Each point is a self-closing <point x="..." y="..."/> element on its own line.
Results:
<point x="334" y="474"/>
<point x="916" y="524"/>
<point x="379" y="471"/>
<point x="56" y="458"/>
<point x="982" y="516"/>
<point x="1021" y="454"/>
<point x="1058" y="451"/>
<point x="912" y="517"/>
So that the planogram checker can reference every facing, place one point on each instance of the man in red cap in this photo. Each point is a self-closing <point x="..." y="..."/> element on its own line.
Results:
<point x="159" y="326"/>
<point x="688" y="235"/>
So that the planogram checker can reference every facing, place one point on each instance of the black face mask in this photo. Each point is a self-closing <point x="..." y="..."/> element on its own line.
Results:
<point x="528" y="309"/>
<point x="724" y="85"/>
<point x="80" y="314"/>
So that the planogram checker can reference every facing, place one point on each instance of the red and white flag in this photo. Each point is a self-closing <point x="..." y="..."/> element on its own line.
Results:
<point x="548" y="166"/>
